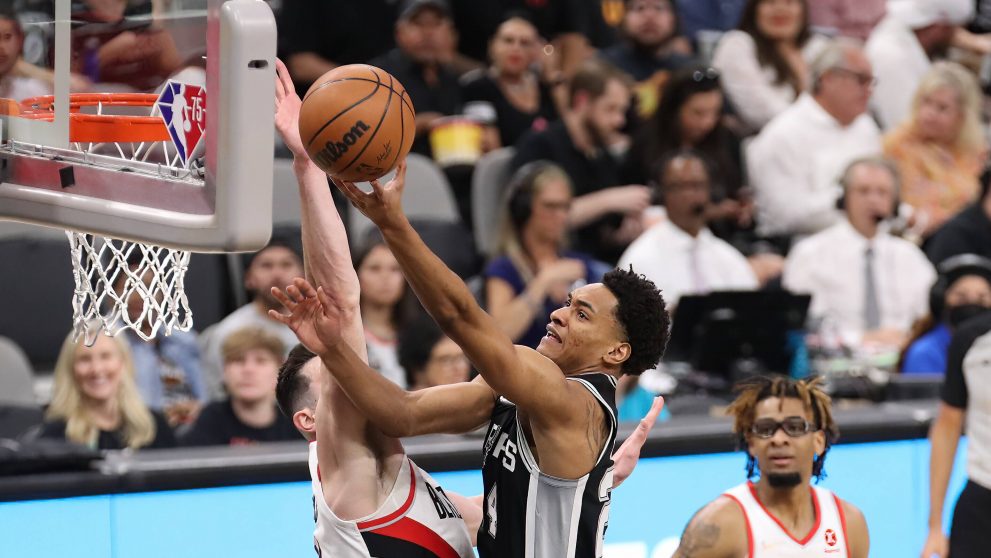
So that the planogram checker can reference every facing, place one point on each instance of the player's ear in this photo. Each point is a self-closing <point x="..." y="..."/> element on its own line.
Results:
<point x="618" y="354"/>
<point x="819" y="441"/>
<point x="304" y="420"/>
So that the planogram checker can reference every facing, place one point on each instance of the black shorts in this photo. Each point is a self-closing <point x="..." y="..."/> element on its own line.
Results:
<point x="970" y="533"/>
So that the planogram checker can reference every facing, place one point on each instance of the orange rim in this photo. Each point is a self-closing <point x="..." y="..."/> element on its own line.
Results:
<point x="102" y="128"/>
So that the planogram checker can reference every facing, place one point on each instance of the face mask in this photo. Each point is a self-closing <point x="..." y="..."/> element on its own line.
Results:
<point x="957" y="315"/>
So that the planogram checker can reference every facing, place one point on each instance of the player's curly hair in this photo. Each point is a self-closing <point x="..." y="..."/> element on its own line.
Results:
<point x="752" y="391"/>
<point x="641" y="312"/>
<point x="292" y="385"/>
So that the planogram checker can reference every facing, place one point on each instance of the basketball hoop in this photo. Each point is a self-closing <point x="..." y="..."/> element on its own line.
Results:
<point x="109" y="272"/>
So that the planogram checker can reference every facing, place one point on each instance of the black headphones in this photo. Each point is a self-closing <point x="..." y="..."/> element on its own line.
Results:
<point x="519" y="195"/>
<point x="950" y="270"/>
<point x="876" y="161"/>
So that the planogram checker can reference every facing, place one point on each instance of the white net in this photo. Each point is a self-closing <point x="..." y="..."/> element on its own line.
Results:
<point x="127" y="285"/>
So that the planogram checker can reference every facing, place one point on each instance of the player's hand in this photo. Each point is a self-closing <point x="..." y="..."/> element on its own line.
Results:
<point x="287" y="105"/>
<point x="937" y="545"/>
<point x="628" y="455"/>
<point x="313" y="315"/>
<point x="383" y="205"/>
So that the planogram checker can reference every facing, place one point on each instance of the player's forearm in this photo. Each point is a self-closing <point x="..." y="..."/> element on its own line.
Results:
<point x="442" y="293"/>
<point x="325" y="241"/>
<point x="381" y="401"/>
<point x="944" y="436"/>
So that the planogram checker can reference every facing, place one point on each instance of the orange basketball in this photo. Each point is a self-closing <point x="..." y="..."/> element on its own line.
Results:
<point x="357" y="122"/>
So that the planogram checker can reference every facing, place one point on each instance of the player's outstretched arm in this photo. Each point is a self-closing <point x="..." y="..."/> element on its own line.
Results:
<point x="521" y="374"/>
<point x="327" y="259"/>
<point x="454" y="408"/>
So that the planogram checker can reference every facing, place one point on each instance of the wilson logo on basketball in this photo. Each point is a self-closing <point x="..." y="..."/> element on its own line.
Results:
<point x="334" y="150"/>
<point x="830" y="536"/>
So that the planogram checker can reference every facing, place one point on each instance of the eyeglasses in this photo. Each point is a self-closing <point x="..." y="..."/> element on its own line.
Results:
<point x="708" y="74"/>
<point x="794" y="427"/>
<point x="863" y="80"/>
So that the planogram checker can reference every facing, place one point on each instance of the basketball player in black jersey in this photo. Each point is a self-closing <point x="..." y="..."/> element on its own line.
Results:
<point x="547" y="471"/>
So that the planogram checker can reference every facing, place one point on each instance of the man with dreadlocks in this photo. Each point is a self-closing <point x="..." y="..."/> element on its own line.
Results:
<point x="786" y="427"/>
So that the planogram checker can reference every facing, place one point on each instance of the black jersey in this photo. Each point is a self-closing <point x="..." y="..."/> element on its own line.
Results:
<point x="528" y="514"/>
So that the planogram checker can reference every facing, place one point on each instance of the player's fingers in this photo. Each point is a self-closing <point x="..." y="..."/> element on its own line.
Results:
<point x="401" y="172"/>
<point x="279" y="317"/>
<point x="294" y="294"/>
<point x="655" y="409"/>
<point x="282" y="72"/>
<point x="281" y="297"/>
<point x="305" y="287"/>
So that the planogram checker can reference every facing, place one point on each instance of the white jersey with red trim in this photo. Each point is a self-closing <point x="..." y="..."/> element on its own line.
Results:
<point x="768" y="537"/>
<point x="416" y="520"/>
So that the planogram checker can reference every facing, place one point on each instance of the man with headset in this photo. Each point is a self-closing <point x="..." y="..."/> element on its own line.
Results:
<point x="867" y="285"/>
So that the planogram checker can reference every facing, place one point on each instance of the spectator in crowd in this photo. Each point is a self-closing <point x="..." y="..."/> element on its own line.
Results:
<point x="765" y="63"/>
<point x="250" y="414"/>
<point x="419" y="61"/>
<point x="275" y="265"/>
<point x="708" y="15"/>
<point x="867" y="284"/>
<point x="940" y="150"/>
<point x="962" y="291"/>
<point x="167" y="367"/>
<point x="13" y="86"/>
<point x="901" y="46"/>
<point x="532" y="272"/>
<point x="794" y="163"/>
<point x="651" y="48"/>
<point x="680" y="254"/>
<point x="846" y="18"/>
<point x="965" y="394"/>
<point x="429" y="357"/>
<point x="690" y="116"/>
<point x="384" y="306"/>
<point x="606" y="217"/>
<point x="967" y="233"/>
<point x="333" y="33"/>
<point x="563" y="22"/>
<point x="95" y="402"/>
<point x="511" y="86"/>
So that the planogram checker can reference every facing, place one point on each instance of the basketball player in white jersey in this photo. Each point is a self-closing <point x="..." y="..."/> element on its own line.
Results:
<point x="547" y="471"/>
<point x="369" y="498"/>
<point x="786" y="427"/>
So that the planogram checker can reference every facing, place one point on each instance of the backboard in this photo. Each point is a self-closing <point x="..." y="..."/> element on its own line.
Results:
<point x="184" y="160"/>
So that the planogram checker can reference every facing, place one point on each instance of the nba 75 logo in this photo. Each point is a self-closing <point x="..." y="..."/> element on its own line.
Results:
<point x="183" y="109"/>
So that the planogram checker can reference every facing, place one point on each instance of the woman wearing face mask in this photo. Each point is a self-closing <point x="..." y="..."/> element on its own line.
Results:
<point x="962" y="291"/>
<point x="96" y="402"/>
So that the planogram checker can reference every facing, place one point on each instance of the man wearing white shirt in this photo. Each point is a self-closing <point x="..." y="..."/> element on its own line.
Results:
<point x="795" y="161"/>
<point x="866" y="282"/>
<point x="680" y="254"/>
<point x="900" y="48"/>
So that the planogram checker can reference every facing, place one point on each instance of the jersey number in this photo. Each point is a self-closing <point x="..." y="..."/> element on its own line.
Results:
<point x="490" y="511"/>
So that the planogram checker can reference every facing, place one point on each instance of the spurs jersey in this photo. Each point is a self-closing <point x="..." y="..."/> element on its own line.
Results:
<point x="416" y="520"/>
<point x="528" y="514"/>
<point x="769" y="539"/>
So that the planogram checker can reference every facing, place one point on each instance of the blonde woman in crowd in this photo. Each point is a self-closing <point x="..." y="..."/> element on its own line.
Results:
<point x="96" y="402"/>
<point x="940" y="149"/>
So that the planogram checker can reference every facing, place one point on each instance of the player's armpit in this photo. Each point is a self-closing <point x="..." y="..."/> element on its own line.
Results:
<point x="471" y="511"/>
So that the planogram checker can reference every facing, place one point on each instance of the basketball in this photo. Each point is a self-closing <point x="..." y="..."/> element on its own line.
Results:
<point x="357" y="122"/>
